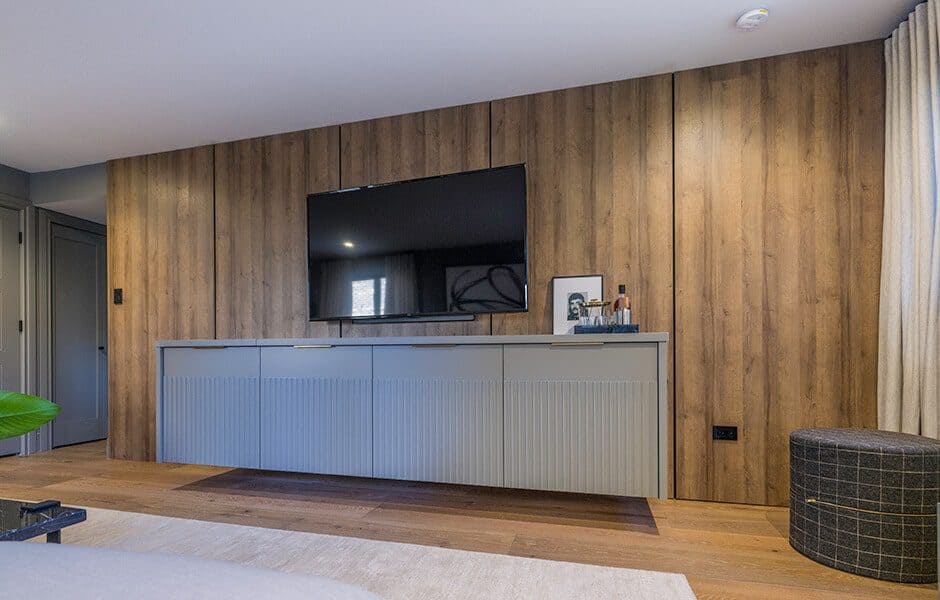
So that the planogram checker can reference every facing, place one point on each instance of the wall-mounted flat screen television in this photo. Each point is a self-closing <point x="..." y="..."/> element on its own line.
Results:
<point x="445" y="247"/>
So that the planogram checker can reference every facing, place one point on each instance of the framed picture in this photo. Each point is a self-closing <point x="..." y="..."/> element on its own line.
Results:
<point x="568" y="293"/>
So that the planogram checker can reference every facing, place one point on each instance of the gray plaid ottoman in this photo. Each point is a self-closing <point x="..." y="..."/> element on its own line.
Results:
<point x="865" y="501"/>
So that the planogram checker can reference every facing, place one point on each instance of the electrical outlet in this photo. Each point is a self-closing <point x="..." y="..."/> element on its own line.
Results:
<point x="118" y="295"/>
<point x="725" y="432"/>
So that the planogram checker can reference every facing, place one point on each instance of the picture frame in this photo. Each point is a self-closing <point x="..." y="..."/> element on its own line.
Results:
<point x="567" y="293"/>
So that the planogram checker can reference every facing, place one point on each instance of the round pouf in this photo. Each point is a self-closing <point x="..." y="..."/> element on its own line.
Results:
<point x="865" y="501"/>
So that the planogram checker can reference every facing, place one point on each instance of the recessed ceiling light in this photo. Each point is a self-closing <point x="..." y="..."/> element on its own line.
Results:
<point x="753" y="19"/>
<point x="349" y="244"/>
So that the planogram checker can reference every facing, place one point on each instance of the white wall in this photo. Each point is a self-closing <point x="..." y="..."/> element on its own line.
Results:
<point x="80" y="192"/>
<point x="14" y="182"/>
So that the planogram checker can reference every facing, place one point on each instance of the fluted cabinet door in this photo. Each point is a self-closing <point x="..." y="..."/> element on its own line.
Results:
<point x="438" y="414"/>
<point x="583" y="419"/>
<point x="316" y="409"/>
<point x="210" y="406"/>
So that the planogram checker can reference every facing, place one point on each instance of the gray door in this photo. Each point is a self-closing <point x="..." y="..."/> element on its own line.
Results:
<point x="79" y="334"/>
<point x="10" y="374"/>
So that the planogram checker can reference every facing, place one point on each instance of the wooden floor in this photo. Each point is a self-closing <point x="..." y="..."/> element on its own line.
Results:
<point x="725" y="550"/>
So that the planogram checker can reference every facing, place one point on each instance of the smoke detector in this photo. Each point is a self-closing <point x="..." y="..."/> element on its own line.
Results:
<point x="753" y="19"/>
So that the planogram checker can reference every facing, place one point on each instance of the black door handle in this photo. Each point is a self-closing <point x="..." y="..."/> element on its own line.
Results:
<point x="100" y="347"/>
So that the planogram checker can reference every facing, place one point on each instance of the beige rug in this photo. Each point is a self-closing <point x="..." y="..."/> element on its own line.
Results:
<point x="389" y="569"/>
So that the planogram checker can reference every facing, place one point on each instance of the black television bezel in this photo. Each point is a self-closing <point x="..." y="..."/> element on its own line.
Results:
<point x="424" y="316"/>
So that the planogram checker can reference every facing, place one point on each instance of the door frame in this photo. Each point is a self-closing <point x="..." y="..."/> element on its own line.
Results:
<point x="22" y="206"/>
<point x="41" y="351"/>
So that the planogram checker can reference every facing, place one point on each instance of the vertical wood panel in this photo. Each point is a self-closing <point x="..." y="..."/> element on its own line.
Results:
<point x="599" y="169"/>
<point x="410" y="146"/>
<point x="599" y="166"/>
<point x="127" y="324"/>
<point x="779" y="183"/>
<point x="261" y="188"/>
<point x="160" y="252"/>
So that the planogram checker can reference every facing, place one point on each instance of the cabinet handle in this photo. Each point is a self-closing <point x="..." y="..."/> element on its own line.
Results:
<point x="434" y="345"/>
<point x="208" y="347"/>
<point x="302" y="346"/>
<point x="575" y="344"/>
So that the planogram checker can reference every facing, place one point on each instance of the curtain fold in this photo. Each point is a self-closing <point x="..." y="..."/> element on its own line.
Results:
<point x="909" y="348"/>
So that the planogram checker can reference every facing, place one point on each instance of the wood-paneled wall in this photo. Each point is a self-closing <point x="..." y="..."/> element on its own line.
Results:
<point x="261" y="188"/>
<point x="422" y="144"/>
<point x="160" y="252"/>
<point x="779" y="179"/>
<point x="740" y="204"/>
<point x="599" y="181"/>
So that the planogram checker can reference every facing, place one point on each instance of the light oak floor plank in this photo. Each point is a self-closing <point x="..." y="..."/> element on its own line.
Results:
<point x="726" y="550"/>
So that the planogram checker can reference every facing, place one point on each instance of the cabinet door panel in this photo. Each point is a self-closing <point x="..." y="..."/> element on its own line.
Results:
<point x="439" y="414"/>
<point x="316" y="410"/>
<point x="582" y="419"/>
<point x="211" y="407"/>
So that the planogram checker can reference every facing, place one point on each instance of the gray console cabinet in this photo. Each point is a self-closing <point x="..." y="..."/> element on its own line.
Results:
<point x="567" y="413"/>
<point x="210" y="407"/>
<point x="582" y="418"/>
<point x="316" y="409"/>
<point x="439" y="413"/>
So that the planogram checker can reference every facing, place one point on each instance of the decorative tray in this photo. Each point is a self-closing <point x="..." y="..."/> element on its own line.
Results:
<point x="631" y="328"/>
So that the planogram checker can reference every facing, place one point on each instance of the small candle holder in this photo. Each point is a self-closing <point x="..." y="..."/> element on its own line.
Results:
<point x="593" y="313"/>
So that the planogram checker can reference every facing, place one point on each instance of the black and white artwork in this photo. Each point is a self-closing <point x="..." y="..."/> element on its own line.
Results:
<point x="568" y="294"/>
<point x="575" y="300"/>
<point x="485" y="288"/>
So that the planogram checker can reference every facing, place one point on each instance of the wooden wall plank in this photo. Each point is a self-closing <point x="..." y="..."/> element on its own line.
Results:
<point x="261" y="188"/>
<point x="599" y="178"/>
<point x="425" y="144"/>
<point x="160" y="252"/>
<point x="779" y="185"/>
<point x="127" y="327"/>
<point x="777" y="240"/>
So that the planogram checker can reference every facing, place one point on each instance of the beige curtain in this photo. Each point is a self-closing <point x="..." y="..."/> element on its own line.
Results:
<point x="909" y="353"/>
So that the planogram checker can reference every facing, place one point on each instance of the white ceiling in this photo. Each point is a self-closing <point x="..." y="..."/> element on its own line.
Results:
<point x="82" y="82"/>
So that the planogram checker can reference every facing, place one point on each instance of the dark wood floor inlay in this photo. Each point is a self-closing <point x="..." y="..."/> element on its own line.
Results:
<point x="586" y="510"/>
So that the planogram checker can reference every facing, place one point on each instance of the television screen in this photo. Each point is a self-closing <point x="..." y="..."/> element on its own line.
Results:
<point x="449" y="245"/>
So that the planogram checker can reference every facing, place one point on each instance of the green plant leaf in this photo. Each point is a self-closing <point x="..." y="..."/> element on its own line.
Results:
<point x="21" y="413"/>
